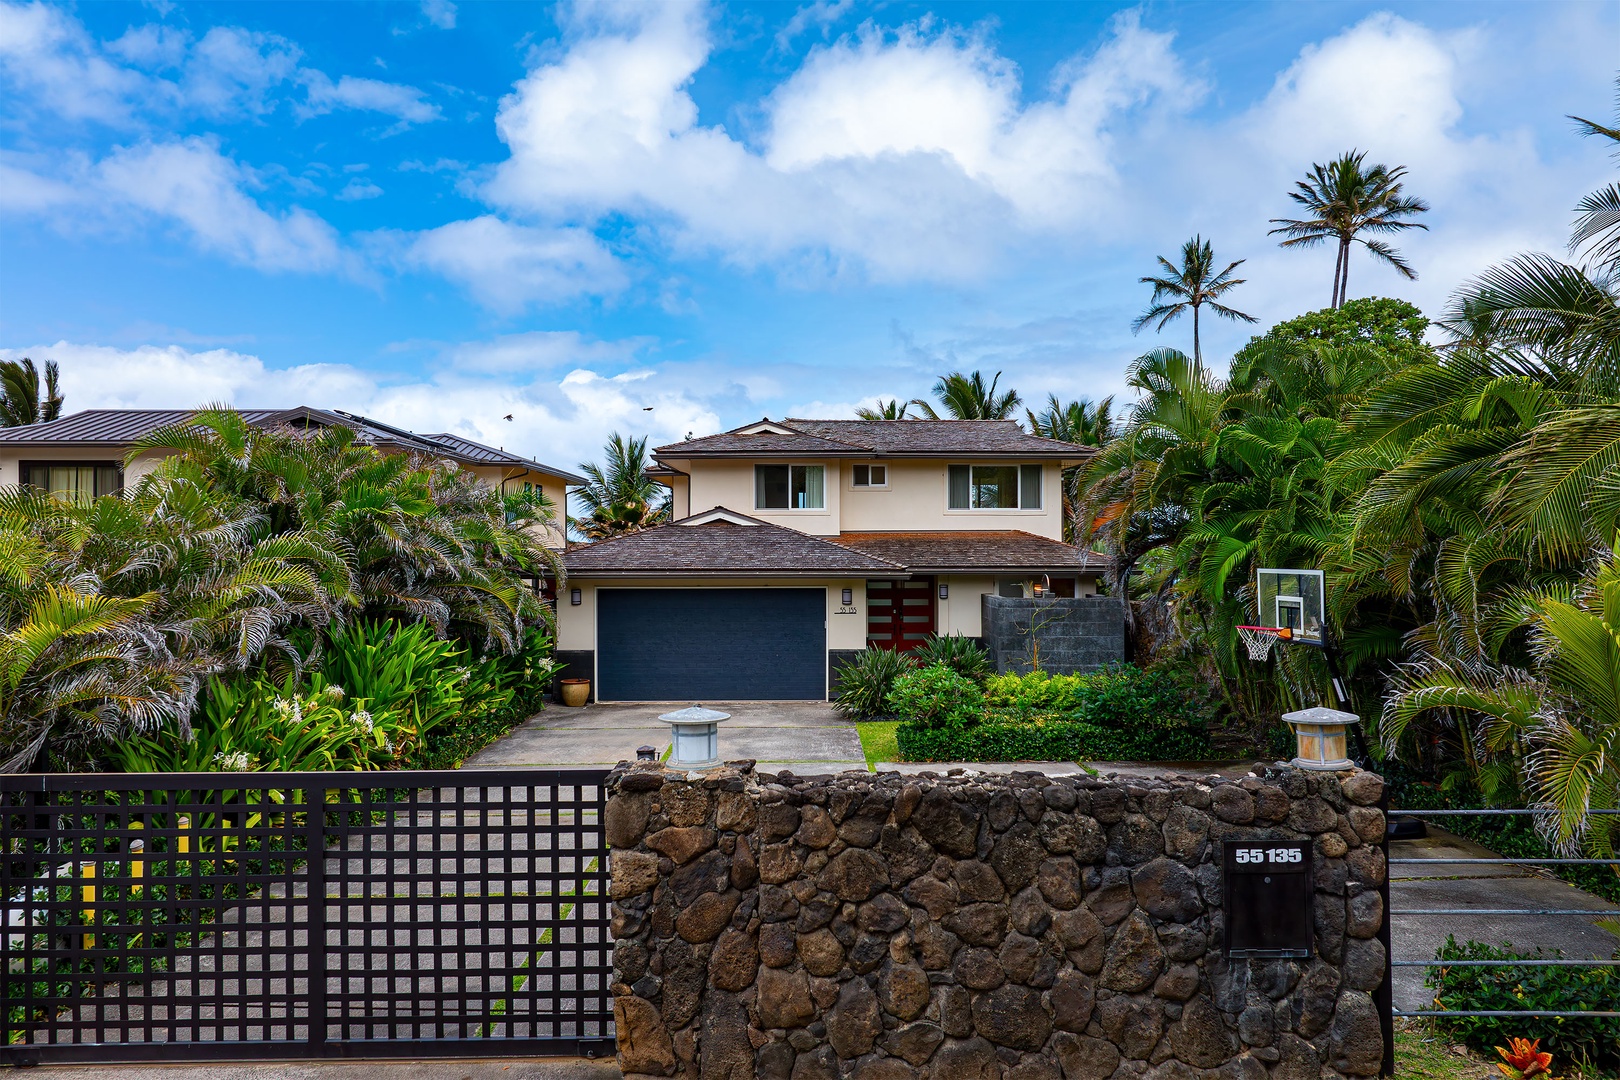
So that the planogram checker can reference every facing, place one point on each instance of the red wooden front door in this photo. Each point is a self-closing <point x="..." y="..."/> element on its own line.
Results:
<point x="899" y="614"/>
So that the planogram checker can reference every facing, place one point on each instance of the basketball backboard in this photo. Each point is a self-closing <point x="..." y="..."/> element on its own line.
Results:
<point x="1292" y="598"/>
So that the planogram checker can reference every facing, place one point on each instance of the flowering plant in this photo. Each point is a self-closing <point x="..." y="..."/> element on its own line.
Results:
<point x="1523" y="1058"/>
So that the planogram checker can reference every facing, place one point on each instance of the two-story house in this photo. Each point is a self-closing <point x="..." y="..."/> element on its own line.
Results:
<point x="798" y="543"/>
<point x="86" y="454"/>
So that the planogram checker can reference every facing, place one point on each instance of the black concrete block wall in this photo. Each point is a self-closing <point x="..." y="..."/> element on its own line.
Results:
<point x="1075" y="635"/>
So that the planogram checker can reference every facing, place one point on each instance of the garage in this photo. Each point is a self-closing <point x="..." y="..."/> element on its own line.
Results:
<point x="711" y="644"/>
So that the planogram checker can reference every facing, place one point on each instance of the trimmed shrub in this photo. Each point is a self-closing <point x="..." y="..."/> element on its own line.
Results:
<point x="1593" y="1043"/>
<point x="936" y="698"/>
<point x="1123" y="713"/>
<point x="864" y="684"/>
<point x="963" y="655"/>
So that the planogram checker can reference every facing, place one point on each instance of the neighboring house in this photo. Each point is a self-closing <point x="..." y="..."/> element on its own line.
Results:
<point x="798" y="543"/>
<point x="83" y="455"/>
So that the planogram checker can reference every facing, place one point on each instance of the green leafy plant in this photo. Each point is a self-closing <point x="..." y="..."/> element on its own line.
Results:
<point x="936" y="698"/>
<point x="963" y="655"/>
<point x="258" y="726"/>
<point x="864" y="684"/>
<point x="1122" y="713"/>
<point x="400" y="668"/>
<point x="1591" y="1042"/>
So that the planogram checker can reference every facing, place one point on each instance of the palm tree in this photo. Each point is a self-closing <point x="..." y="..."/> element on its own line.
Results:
<point x="1345" y="199"/>
<point x="966" y="397"/>
<point x="1598" y="226"/>
<point x="893" y="409"/>
<point x="620" y="497"/>
<point x="20" y="401"/>
<point x="1083" y="422"/>
<point x="1191" y="286"/>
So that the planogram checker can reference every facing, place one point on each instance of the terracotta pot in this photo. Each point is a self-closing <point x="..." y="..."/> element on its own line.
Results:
<point x="575" y="692"/>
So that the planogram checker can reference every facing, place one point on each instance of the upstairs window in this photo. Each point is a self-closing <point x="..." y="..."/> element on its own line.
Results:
<point x="74" y="481"/>
<point x="790" y="487"/>
<point x="870" y="476"/>
<point x="994" y="487"/>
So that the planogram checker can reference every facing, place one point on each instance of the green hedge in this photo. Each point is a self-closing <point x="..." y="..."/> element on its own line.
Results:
<point x="1122" y="713"/>
<point x="1593" y="1043"/>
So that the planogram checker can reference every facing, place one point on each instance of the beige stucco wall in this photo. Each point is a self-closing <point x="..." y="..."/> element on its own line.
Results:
<point x="846" y="626"/>
<point x="914" y="501"/>
<point x="11" y="460"/>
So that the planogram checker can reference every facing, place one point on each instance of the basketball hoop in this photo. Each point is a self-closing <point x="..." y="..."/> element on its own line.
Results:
<point x="1259" y="640"/>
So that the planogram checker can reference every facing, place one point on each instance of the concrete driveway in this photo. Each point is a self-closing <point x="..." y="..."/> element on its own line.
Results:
<point x="1455" y="887"/>
<point x="804" y="736"/>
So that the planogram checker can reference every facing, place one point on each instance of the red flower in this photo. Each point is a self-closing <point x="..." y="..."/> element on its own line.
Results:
<point x="1524" y="1059"/>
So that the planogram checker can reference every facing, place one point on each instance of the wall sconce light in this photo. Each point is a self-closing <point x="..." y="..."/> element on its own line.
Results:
<point x="944" y="591"/>
<point x="575" y="598"/>
<point x="849" y="597"/>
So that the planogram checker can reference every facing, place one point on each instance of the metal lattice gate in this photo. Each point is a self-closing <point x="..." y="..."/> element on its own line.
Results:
<point x="185" y="917"/>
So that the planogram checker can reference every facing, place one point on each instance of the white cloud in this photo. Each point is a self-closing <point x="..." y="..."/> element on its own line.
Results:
<point x="441" y="13"/>
<point x="357" y="189"/>
<point x="372" y="95"/>
<point x="233" y="71"/>
<point x="822" y="14"/>
<point x="509" y="267"/>
<point x="907" y="155"/>
<point x="48" y="59"/>
<point x="560" y="420"/>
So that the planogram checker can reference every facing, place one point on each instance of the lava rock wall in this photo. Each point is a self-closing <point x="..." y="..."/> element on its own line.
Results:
<point x="982" y="927"/>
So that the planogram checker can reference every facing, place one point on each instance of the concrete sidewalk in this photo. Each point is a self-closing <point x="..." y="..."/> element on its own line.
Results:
<point x="484" y="1069"/>
<point x="804" y="736"/>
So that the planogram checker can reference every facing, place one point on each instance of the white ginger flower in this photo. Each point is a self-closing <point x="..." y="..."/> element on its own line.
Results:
<point x="335" y="692"/>
<point x="235" y="761"/>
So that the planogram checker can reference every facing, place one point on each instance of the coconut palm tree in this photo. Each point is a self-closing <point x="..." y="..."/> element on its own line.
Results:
<point x="20" y="399"/>
<point x="1344" y="199"/>
<point x="893" y="409"/>
<point x="966" y="397"/>
<point x="620" y="497"/>
<point x="1189" y="287"/>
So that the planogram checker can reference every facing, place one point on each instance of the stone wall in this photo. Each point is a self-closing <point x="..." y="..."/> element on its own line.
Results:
<point x="1075" y="635"/>
<point x="1014" y="927"/>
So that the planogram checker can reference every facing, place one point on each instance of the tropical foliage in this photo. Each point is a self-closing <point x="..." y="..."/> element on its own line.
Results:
<point x="892" y="409"/>
<point x="21" y="399"/>
<point x="619" y="497"/>
<point x="1465" y="501"/>
<point x="239" y="555"/>
<point x="969" y="397"/>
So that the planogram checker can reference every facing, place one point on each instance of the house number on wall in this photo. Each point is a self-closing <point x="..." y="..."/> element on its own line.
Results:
<point x="847" y="609"/>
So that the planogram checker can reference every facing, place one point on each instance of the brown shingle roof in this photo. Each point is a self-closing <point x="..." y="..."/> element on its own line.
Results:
<point x="721" y="547"/>
<point x="765" y="442"/>
<point x="893" y="438"/>
<point x="928" y="552"/>
<point x="117" y="428"/>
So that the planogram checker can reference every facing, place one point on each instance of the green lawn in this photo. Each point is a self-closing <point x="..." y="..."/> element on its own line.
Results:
<point x="1421" y="1053"/>
<point x="878" y="741"/>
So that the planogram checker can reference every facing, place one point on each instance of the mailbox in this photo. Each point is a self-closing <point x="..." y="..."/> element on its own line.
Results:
<point x="1267" y="887"/>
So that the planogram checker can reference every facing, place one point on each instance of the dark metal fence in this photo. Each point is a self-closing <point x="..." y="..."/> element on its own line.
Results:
<point x="1431" y="962"/>
<point x="303" y="915"/>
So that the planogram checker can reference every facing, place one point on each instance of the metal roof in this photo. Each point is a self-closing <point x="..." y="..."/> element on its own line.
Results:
<point x="477" y="452"/>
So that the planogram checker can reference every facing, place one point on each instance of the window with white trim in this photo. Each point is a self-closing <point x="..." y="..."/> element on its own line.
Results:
<point x="869" y="476"/>
<point x="790" y="487"/>
<point x="994" y="487"/>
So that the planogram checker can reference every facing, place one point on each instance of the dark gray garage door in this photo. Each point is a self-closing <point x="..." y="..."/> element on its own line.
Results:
<point x="714" y="644"/>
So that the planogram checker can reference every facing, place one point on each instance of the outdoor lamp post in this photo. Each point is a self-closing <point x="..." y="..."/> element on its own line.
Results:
<point x="1320" y="737"/>
<point x="695" y="734"/>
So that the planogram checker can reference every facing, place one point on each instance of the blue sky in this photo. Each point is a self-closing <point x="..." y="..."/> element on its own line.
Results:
<point x="439" y="214"/>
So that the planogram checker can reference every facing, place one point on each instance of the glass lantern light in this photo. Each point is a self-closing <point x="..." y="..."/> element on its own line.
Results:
<point x="695" y="737"/>
<point x="1321" y="738"/>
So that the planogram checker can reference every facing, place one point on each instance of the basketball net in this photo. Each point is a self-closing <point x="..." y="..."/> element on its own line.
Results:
<point x="1259" y="640"/>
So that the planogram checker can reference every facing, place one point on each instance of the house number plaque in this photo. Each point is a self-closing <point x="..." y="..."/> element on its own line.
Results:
<point x="1267" y="886"/>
